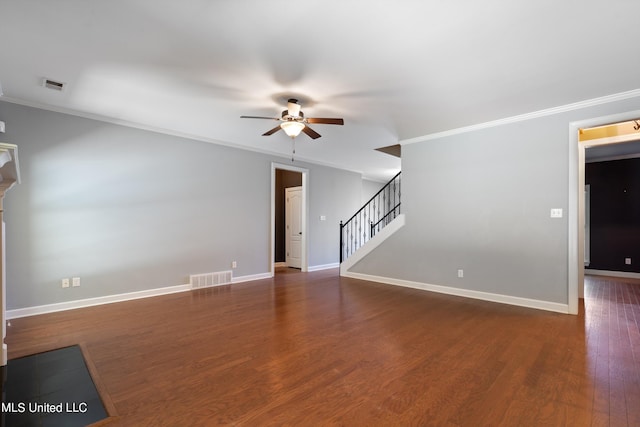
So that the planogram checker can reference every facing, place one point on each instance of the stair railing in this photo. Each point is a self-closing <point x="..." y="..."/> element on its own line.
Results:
<point x="379" y="211"/>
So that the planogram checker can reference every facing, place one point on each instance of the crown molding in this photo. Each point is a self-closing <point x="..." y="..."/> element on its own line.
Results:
<point x="528" y="116"/>
<point x="150" y="128"/>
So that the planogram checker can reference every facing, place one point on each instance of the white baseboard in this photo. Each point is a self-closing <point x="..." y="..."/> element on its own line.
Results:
<point x="467" y="293"/>
<point x="623" y="274"/>
<point x="109" y="299"/>
<point x="251" y="277"/>
<point x="323" y="267"/>
<point x="89" y="302"/>
<point x="313" y="267"/>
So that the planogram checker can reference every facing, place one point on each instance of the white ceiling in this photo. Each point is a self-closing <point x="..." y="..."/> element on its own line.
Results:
<point x="394" y="70"/>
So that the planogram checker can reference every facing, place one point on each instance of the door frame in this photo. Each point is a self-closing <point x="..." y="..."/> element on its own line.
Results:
<point x="576" y="217"/>
<point x="304" y="263"/>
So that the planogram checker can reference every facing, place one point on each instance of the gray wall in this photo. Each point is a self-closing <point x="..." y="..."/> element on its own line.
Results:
<point x="335" y="195"/>
<point x="369" y="189"/>
<point x="129" y="210"/>
<point x="480" y="201"/>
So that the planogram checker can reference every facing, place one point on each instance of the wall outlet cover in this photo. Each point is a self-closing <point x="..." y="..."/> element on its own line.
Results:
<point x="556" y="213"/>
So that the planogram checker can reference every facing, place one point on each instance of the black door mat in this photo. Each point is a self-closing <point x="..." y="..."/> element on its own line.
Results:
<point x="50" y="389"/>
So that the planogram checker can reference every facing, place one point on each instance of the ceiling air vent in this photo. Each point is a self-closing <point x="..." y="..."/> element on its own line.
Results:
<point x="52" y="84"/>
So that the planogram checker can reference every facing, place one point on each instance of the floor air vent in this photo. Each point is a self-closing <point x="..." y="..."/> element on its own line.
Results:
<point x="207" y="280"/>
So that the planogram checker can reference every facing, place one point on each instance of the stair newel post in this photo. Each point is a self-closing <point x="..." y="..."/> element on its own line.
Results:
<point x="341" y="226"/>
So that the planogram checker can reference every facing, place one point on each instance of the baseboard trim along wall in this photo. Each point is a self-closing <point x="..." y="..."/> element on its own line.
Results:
<point x="313" y="267"/>
<point x="109" y="299"/>
<point x="485" y="296"/>
<point x="251" y="277"/>
<point x="323" y="267"/>
<point x="90" y="302"/>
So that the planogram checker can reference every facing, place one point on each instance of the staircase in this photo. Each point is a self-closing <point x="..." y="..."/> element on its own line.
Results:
<point x="379" y="211"/>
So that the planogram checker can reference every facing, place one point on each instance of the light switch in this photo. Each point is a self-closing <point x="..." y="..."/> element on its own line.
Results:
<point x="323" y="217"/>
<point x="556" y="213"/>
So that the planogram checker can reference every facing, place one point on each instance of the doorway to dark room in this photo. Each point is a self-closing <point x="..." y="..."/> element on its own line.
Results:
<point x="289" y="203"/>
<point x="288" y="211"/>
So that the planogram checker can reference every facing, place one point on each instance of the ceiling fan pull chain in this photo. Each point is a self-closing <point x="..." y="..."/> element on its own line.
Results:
<point x="293" y="148"/>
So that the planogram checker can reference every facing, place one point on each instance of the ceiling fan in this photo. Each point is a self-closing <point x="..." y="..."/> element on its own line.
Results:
<point x="294" y="121"/>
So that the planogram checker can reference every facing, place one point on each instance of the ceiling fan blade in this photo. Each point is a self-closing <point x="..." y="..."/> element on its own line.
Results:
<point x="259" y="117"/>
<point x="325" y="121"/>
<point x="312" y="133"/>
<point x="272" y="131"/>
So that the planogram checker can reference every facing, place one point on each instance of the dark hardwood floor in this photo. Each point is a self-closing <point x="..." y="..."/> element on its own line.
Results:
<point x="308" y="349"/>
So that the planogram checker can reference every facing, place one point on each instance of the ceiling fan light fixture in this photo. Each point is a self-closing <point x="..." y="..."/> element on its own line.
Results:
<point x="292" y="128"/>
<point x="293" y="108"/>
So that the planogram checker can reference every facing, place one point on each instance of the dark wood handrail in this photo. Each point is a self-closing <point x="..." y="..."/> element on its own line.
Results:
<point x="374" y="196"/>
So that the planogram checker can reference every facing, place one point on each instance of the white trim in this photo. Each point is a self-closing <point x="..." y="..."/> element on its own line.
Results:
<point x="467" y="293"/>
<point x="109" y="299"/>
<point x="324" y="267"/>
<point x="373" y="243"/>
<point x="164" y="131"/>
<point x="528" y="116"/>
<point x="304" y="256"/>
<point x="623" y="274"/>
<point x="575" y="211"/>
<point x="90" y="302"/>
<point x="251" y="277"/>
<point x="575" y="220"/>
<point x="312" y="267"/>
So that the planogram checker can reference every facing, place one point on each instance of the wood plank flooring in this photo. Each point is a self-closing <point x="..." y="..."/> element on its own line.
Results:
<point x="308" y="349"/>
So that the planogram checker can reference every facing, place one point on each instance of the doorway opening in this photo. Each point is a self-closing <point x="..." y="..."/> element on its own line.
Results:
<point x="288" y="217"/>
<point x="612" y="132"/>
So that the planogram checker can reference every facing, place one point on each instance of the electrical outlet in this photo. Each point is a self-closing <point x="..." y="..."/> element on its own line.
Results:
<point x="75" y="282"/>
<point x="65" y="283"/>
<point x="627" y="261"/>
<point x="556" y="213"/>
<point x="460" y="273"/>
<point x="234" y="264"/>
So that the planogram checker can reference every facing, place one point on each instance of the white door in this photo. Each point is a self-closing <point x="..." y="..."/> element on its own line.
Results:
<point x="293" y="226"/>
